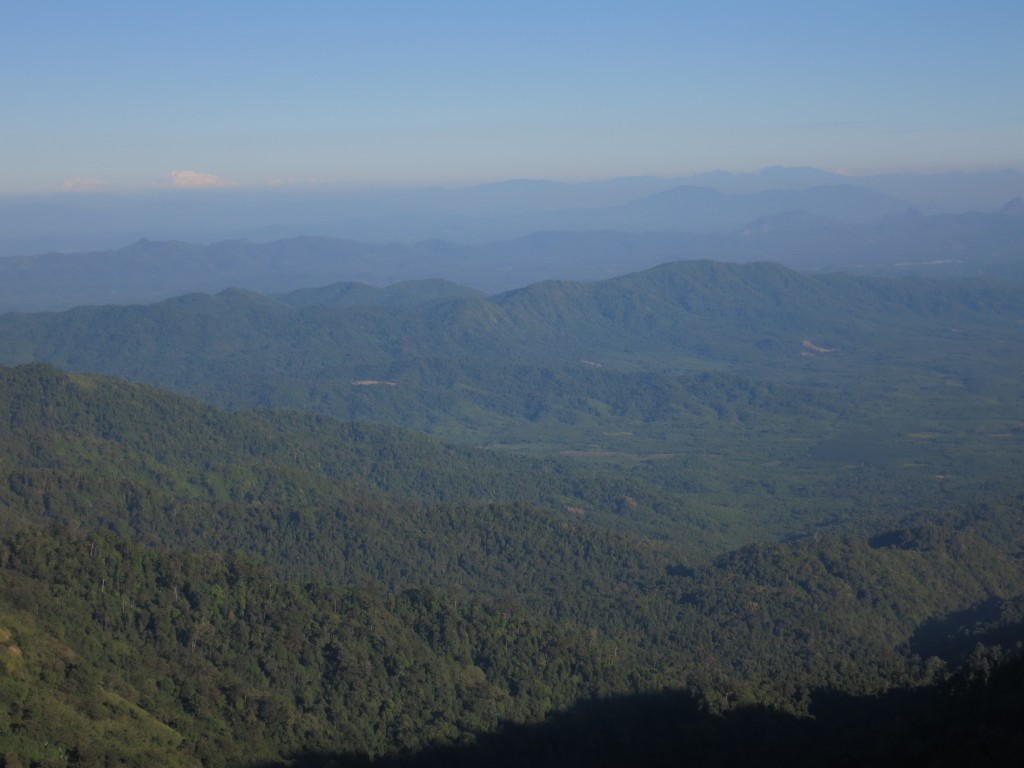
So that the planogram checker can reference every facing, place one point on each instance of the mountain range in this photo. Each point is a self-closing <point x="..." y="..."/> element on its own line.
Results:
<point x="482" y="214"/>
<point x="715" y="471"/>
<point x="902" y="244"/>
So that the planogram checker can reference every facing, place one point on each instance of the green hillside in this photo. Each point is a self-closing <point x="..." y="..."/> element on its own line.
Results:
<point x="731" y="498"/>
<point x="712" y="404"/>
<point x="228" y="588"/>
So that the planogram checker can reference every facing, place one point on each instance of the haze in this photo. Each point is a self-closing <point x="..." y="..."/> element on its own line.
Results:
<point x="123" y="97"/>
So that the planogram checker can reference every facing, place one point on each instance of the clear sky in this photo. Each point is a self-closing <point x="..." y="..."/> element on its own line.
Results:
<point x="123" y="95"/>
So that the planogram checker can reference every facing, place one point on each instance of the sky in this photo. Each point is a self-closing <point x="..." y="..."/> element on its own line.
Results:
<point x="127" y="96"/>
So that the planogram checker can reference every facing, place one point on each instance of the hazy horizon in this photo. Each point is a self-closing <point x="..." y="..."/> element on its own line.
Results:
<point x="354" y="189"/>
<point x="125" y="98"/>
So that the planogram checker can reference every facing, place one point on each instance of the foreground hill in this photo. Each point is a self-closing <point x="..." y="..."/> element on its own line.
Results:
<point x="116" y="654"/>
<point x="185" y="586"/>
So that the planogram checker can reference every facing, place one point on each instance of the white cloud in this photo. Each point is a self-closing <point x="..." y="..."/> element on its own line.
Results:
<point x="198" y="179"/>
<point x="78" y="184"/>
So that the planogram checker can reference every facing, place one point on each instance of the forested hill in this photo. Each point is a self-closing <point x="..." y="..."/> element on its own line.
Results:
<point x="310" y="494"/>
<point x="410" y="366"/>
<point x="184" y="586"/>
<point x="759" y="490"/>
<point x="735" y="403"/>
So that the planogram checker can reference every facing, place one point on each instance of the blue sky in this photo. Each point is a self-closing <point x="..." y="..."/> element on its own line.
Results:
<point x="130" y="95"/>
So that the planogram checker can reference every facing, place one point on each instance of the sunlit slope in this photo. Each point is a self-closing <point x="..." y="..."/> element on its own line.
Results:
<point x="308" y="493"/>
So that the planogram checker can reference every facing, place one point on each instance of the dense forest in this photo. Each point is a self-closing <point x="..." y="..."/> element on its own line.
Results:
<point x="703" y="514"/>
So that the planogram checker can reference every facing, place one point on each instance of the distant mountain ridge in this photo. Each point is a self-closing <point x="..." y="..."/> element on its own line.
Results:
<point x="903" y="243"/>
<point x="479" y="214"/>
<point x="703" y="209"/>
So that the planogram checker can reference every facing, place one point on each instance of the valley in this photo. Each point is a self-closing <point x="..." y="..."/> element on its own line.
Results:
<point x="347" y="529"/>
<point x="520" y="385"/>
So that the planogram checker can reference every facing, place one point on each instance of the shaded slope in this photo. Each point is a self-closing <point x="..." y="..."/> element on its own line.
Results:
<point x="241" y="665"/>
<point x="962" y="722"/>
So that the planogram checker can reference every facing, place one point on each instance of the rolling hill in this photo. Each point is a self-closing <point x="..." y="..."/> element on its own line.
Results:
<point x="722" y="496"/>
<point x="186" y="586"/>
<point x="705" y="385"/>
